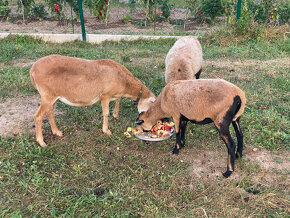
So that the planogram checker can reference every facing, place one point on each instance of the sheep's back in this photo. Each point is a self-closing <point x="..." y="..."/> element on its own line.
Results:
<point x="187" y="50"/>
<point x="70" y="77"/>
<point x="199" y="99"/>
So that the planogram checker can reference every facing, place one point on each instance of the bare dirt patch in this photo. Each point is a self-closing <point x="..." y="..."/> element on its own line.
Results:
<point x="265" y="167"/>
<point x="209" y="163"/>
<point x="23" y="62"/>
<point x="16" y="115"/>
<point x="270" y="160"/>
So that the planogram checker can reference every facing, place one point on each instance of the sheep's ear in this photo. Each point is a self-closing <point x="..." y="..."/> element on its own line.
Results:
<point x="152" y="99"/>
<point x="139" y="122"/>
<point x="140" y="114"/>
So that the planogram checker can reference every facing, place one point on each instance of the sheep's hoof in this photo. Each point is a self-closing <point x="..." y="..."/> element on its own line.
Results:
<point x="116" y="116"/>
<point x="58" y="133"/>
<point x="175" y="151"/>
<point x="227" y="174"/>
<point x="108" y="132"/>
<point x="238" y="155"/>
<point x="41" y="142"/>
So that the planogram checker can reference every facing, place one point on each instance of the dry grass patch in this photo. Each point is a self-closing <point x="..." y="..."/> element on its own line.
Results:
<point x="222" y="62"/>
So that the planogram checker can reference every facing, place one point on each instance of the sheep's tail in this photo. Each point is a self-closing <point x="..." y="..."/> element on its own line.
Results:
<point x="239" y="105"/>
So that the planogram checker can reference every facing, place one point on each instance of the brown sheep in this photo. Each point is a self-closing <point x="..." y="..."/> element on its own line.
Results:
<point x="80" y="82"/>
<point x="200" y="101"/>
<point x="184" y="60"/>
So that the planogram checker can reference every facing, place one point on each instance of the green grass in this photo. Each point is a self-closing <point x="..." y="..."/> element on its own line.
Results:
<point x="87" y="173"/>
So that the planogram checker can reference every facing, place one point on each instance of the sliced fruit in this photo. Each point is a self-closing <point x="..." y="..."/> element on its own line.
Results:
<point x="127" y="134"/>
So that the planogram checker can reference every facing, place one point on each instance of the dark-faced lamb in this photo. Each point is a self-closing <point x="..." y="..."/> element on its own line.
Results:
<point x="80" y="82"/>
<point x="184" y="60"/>
<point x="200" y="101"/>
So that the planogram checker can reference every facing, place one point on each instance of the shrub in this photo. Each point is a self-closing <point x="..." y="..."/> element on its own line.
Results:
<point x="56" y="8"/>
<point x="3" y="2"/>
<point x="39" y="12"/>
<point x="192" y="6"/>
<point x="98" y="7"/>
<point x="164" y="7"/>
<point x="230" y="10"/>
<point x="126" y="19"/>
<point x="25" y="6"/>
<point x="270" y="11"/>
<point x="132" y="6"/>
<point x="247" y="26"/>
<point x="245" y="21"/>
<point x="283" y="10"/>
<point x="258" y="11"/>
<point x="211" y="8"/>
<point x="4" y="11"/>
<point x="75" y="7"/>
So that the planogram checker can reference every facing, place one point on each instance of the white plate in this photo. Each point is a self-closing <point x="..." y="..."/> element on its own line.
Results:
<point x="146" y="136"/>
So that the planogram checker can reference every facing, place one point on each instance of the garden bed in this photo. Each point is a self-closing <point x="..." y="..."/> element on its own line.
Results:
<point x="114" y="25"/>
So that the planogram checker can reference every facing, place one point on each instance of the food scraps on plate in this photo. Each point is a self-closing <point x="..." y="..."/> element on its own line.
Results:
<point x="160" y="130"/>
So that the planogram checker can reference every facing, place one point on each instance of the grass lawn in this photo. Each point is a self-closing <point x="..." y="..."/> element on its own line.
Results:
<point x="87" y="173"/>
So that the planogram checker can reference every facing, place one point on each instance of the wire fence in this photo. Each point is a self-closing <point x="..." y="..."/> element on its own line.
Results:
<point x="129" y="18"/>
<point x="136" y="17"/>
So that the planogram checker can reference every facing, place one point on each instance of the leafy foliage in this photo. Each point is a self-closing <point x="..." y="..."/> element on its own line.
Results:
<point x="98" y="7"/>
<point x="39" y="12"/>
<point x="270" y="11"/>
<point x="211" y="8"/>
<point x="165" y="8"/>
<point x="127" y="18"/>
<point x="245" y="21"/>
<point x="3" y="2"/>
<point x="264" y="11"/>
<point x="162" y="4"/>
<point x="192" y="5"/>
<point x="4" y="9"/>
<point x="25" y="6"/>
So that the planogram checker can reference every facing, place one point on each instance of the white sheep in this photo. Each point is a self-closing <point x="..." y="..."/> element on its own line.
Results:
<point x="184" y="60"/>
<point x="200" y="101"/>
<point x="80" y="82"/>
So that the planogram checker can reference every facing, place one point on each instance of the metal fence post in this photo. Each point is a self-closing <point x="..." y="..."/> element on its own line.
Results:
<point x="239" y="9"/>
<point x="82" y="20"/>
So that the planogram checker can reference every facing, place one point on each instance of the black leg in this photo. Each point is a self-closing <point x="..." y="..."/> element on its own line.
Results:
<point x="239" y="134"/>
<point x="226" y="137"/>
<point x="178" y="143"/>
<point x="180" y="135"/>
<point x="197" y="75"/>
<point x="182" y="127"/>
